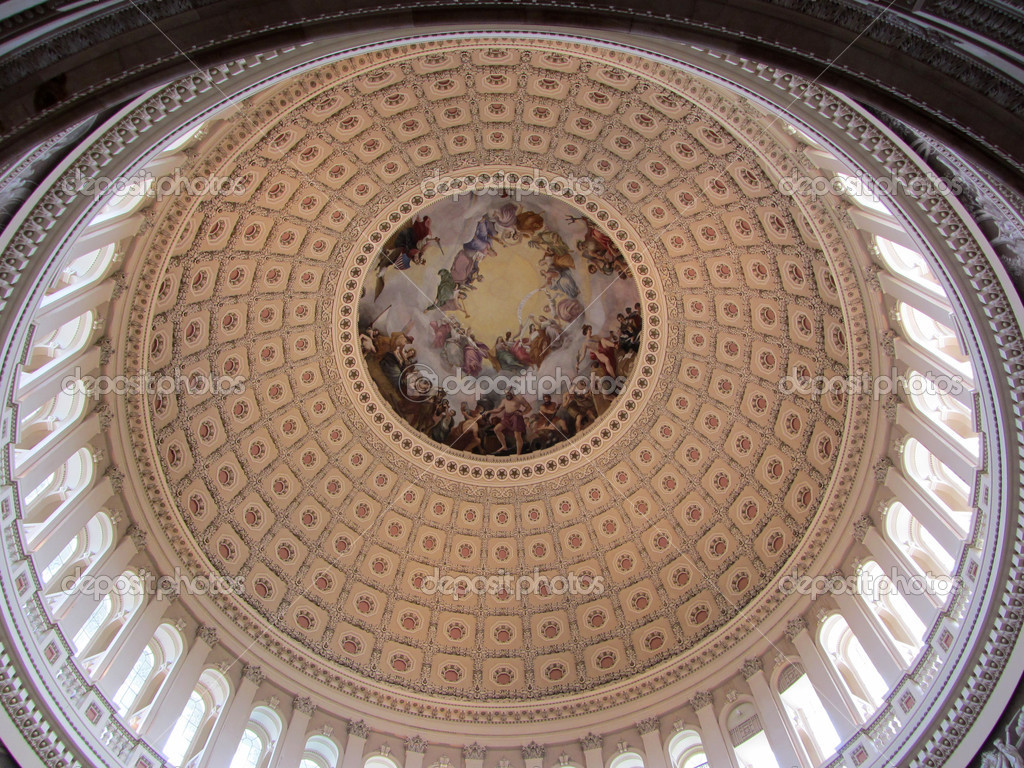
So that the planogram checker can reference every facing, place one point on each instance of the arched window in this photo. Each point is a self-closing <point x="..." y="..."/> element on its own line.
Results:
<point x="63" y="558"/>
<point x="320" y="752"/>
<point x="686" y="750"/>
<point x="126" y="200"/>
<point x="61" y="343"/>
<point x="65" y="484"/>
<point x="749" y="741"/>
<point x="934" y="338"/>
<point x="379" y="761"/>
<point x="95" y="540"/>
<point x="79" y="274"/>
<point x="125" y="598"/>
<point x="954" y="419"/>
<point x="942" y="485"/>
<point x="909" y="264"/>
<point x="192" y="729"/>
<point x="249" y="751"/>
<point x="130" y="689"/>
<point x="167" y="647"/>
<point x="185" y="729"/>
<point x="861" y="192"/>
<point x="627" y="760"/>
<point x="99" y="616"/>
<point x="892" y="610"/>
<point x="808" y="719"/>
<point x="912" y="539"/>
<point x="853" y="665"/>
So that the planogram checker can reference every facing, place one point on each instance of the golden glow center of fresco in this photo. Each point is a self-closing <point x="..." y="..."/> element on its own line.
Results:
<point x="497" y="323"/>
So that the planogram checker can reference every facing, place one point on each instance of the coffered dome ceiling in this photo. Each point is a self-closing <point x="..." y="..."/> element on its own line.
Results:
<point x="314" y="470"/>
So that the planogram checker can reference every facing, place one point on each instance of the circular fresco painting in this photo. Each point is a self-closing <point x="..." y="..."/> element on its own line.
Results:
<point x="498" y="327"/>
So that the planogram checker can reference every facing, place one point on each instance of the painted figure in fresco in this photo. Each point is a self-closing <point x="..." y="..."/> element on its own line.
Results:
<point x="465" y="436"/>
<point x="579" y="406"/>
<point x="599" y="250"/>
<point x="512" y="409"/>
<point x="450" y="296"/>
<point x="507" y="361"/>
<point x="600" y="349"/>
<point x="548" y="426"/>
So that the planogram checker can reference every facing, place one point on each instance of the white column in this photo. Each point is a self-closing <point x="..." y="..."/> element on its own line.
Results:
<point x="717" y="750"/>
<point x="863" y="625"/>
<point x="75" y="304"/>
<point x="415" y="750"/>
<point x="95" y="237"/>
<point x="289" y="753"/>
<point x="75" y="611"/>
<point x="650" y="736"/>
<point x="36" y="388"/>
<point x="54" y="450"/>
<point x="892" y="564"/>
<point x="772" y="718"/>
<point x="898" y="287"/>
<point x="174" y="693"/>
<point x="945" y="449"/>
<point x="834" y="699"/>
<point x="357" y="733"/>
<point x="921" y="360"/>
<point x="592" y="754"/>
<point x="67" y="521"/>
<point x="925" y="512"/>
<point x="227" y="732"/>
<point x="129" y="644"/>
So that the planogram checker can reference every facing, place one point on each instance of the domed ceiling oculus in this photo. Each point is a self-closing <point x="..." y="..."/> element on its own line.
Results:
<point x="496" y="327"/>
<point x="328" y="485"/>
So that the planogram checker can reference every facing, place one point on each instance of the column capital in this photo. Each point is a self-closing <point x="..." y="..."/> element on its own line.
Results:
<point x="648" y="725"/>
<point x="416" y="744"/>
<point x="137" y="535"/>
<point x="474" y="752"/>
<point x="304" y="704"/>
<point x="533" y="751"/>
<point x="254" y="673"/>
<point x="359" y="729"/>
<point x="591" y="741"/>
<point x="751" y="667"/>
<point x="701" y="699"/>
<point x="861" y="527"/>
<point x="795" y="626"/>
<point x="207" y="634"/>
